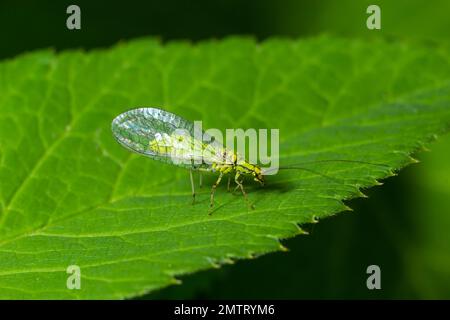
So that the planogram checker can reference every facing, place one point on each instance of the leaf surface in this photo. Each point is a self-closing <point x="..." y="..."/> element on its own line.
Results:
<point x="70" y="195"/>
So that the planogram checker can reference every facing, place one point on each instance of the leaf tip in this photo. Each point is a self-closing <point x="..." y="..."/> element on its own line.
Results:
<point x="413" y="160"/>
<point x="175" y="281"/>
<point x="378" y="183"/>
<point x="347" y="208"/>
<point x="213" y="263"/>
<point x="315" y="219"/>
<point x="302" y="231"/>
<point x="360" y="194"/>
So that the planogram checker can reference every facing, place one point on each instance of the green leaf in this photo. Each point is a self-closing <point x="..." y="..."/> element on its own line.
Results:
<point x="70" y="195"/>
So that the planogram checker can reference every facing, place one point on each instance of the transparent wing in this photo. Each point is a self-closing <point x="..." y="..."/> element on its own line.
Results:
<point x="162" y="136"/>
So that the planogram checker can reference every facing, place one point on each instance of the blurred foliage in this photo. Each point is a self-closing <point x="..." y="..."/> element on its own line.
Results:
<point x="403" y="19"/>
<point x="413" y="206"/>
<point x="27" y="25"/>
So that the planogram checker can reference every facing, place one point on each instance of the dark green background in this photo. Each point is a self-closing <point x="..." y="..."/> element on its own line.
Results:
<point x="404" y="226"/>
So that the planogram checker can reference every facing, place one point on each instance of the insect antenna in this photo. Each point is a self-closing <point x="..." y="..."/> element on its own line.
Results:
<point x="335" y="160"/>
<point x="310" y="171"/>
<point x="299" y="166"/>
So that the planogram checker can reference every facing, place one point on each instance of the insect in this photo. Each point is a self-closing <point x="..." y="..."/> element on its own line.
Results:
<point x="166" y="137"/>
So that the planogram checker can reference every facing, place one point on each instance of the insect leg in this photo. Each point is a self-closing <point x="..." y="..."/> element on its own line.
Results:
<point x="192" y="186"/>
<point x="239" y="184"/>
<point x="213" y="189"/>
